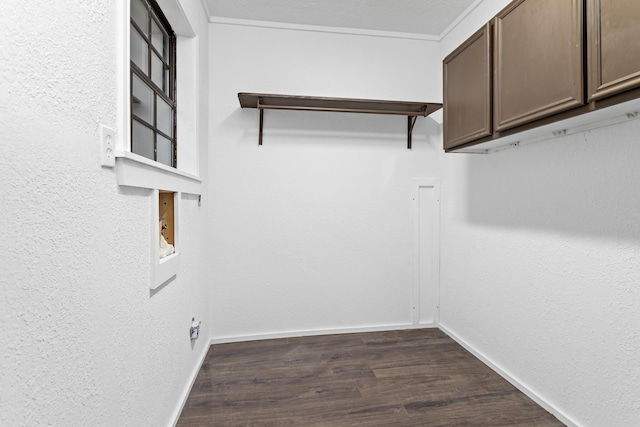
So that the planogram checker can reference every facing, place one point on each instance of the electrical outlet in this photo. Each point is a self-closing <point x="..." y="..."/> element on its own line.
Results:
<point x="194" y="331"/>
<point x="107" y="146"/>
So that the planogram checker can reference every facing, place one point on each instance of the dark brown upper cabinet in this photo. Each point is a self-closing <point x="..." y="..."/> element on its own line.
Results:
<point x="613" y="34"/>
<point x="539" y="67"/>
<point x="467" y="90"/>
<point x="538" y="60"/>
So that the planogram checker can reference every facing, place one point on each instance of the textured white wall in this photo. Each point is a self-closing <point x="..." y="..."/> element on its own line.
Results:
<point x="82" y="341"/>
<point x="540" y="264"/>
<point x="312" y="231"/>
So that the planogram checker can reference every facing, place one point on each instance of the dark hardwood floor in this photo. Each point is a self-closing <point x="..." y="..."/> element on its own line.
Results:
<point x="399" y="378"/>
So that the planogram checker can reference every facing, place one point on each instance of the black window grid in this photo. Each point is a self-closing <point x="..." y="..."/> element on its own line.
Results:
<point x="168" y="91"/>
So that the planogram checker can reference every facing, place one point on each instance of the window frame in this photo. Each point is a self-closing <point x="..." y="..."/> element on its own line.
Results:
<point x="168" y="93"/>
<point x="136" y="171"/>
<point x="133" y="169"/>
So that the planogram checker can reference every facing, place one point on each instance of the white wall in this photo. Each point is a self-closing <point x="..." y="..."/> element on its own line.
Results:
<point x="540" y="263"/>
<point x="83" y="342"/>
<point x="312" y="231"/>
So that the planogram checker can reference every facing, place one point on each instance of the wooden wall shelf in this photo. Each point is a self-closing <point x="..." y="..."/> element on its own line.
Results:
<point x="341" y="105"/>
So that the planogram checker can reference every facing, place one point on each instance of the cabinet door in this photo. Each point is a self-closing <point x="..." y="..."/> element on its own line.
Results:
<point x="613" y="31"/>
<point x="467" y="91"/>
<point x="538" y="60"/>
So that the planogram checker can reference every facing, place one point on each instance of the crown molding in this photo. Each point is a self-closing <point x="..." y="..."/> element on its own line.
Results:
<point x="459" y="19"/>
<point x="322" y="29"/>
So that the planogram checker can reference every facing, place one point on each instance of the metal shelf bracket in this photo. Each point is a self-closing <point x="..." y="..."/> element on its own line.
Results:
<point x="411" y="122"/>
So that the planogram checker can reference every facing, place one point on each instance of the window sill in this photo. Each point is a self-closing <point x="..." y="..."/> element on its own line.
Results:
<point x="133" y="170"/>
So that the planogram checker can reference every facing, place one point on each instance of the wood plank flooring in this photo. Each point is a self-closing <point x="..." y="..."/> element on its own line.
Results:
<point x="398" y="378"/>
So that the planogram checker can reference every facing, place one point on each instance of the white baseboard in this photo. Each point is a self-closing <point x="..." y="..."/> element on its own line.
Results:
<point x="308" y="333"/>
<point x="189" y="386"/>
<point x="515" y="382"/>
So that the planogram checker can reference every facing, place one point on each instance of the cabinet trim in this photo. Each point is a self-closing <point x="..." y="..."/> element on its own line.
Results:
<point x="487" y="129"/>
<point x="539" y="113"/>
<point x="575" y="98"/>
<point x="597" y="88"/>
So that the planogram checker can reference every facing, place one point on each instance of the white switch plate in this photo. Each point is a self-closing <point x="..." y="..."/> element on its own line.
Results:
<point x="107" y="146"/>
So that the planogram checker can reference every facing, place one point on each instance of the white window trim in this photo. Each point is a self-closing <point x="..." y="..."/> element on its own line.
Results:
<point x="164" y="269"/>
<point x="128" y="172"/>
<point x="133" y="170"/>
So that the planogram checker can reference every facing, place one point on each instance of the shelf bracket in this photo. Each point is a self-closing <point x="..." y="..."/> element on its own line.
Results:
<point x="261" y="124"/>
<point x="411" y="122"/>
<point x="259" y="106"/>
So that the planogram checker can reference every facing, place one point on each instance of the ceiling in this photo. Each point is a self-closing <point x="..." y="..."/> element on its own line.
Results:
<point x="424" y="17"/>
